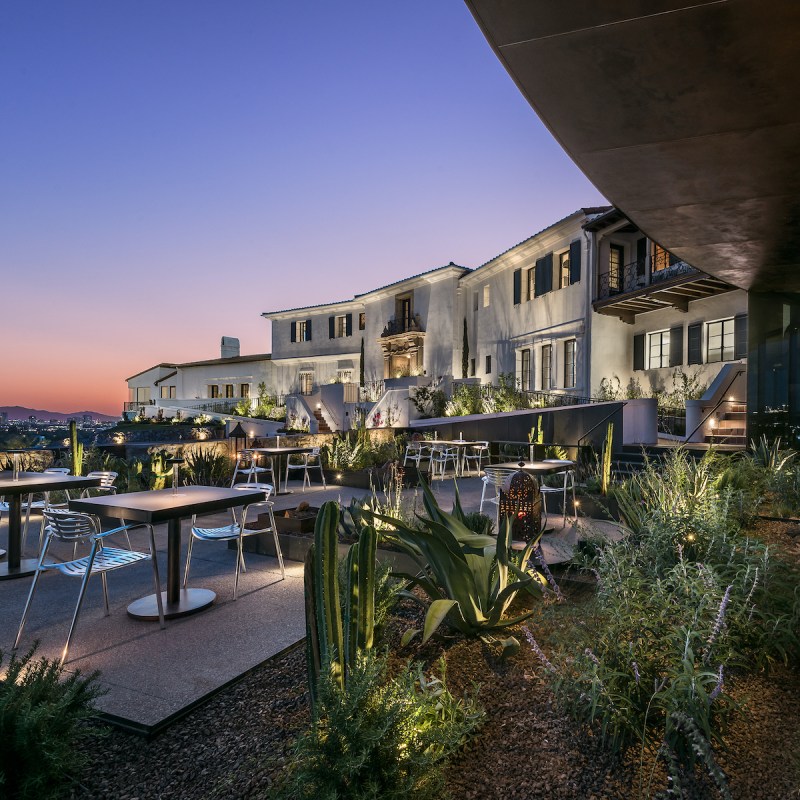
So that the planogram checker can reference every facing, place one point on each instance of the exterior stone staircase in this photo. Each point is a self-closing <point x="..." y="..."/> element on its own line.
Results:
<point x="731" y="425"/>
<point x="323" y="426"/>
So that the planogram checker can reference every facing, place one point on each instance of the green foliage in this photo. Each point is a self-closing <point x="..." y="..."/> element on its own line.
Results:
<point x="357" y="450"/>
<point x="536" y="435"/>
<point x="210" y="466"/>
<point x="466" y="400"/>
<point x="470" y="579"/>
<point x="465" y="352"/>
<point x="479" y="523"/>
<point x="41" y="716"/>
<point x="381" y="738"/>
<point x="605" y="460"/>
<point x="337" y="632"/>
<point x="430" y="401"/>
<point x="75" y="449"/>
<point x="609" y="389"/>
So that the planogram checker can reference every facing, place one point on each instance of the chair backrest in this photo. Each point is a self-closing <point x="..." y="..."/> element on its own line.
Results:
<point x="497" y="475"/>
<point x="267" y="488"/>
<point x="56" y="471"/>
<point x="70" y="526"/>
<point x="315" y="451"/>
<point x="107" y="477"/>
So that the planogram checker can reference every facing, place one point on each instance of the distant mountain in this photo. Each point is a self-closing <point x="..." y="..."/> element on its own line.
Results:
<point x="22" y="413"/>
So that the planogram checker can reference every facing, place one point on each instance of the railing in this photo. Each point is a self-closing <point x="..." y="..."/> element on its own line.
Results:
<point x="672" y="421"/>
<point x="633" y="276"/>
<point x="723" y="399"/>
<point x="557" y="400"/>
<point x="403" y="325"/>
<point x="135" y="405"/>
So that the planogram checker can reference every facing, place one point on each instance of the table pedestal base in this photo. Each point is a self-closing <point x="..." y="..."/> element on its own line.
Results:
<point x="27" y="566"/>
<point x="190" y="601"/>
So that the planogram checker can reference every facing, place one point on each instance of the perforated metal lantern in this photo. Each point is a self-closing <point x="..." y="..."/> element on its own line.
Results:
<point x="521" y="501"/>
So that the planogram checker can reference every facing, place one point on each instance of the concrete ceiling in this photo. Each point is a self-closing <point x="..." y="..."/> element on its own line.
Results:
<point x="686" y="115"/>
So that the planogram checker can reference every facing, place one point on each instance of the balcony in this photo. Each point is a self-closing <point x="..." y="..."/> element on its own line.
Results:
<point x="651" y="284"/>
<point x="403" y="325"/>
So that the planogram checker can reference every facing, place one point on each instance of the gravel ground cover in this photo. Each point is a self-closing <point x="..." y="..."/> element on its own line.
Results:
<point x="237" y="745"/>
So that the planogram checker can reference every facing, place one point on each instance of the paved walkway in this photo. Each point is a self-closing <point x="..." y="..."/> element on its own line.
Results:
<point x="152" y="676"/>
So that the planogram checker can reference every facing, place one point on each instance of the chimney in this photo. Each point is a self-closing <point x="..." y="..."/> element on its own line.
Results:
<point x="229" y="347"/>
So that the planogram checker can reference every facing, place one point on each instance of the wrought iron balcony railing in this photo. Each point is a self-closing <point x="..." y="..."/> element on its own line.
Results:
<point x="403" y="325"/>
<point x="634" y="276"/>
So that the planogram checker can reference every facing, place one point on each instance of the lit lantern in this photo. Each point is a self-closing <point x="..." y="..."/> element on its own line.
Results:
<point x="521" y="501"/>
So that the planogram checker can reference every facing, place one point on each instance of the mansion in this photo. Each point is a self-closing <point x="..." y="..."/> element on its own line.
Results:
<point x="585" y="301"/>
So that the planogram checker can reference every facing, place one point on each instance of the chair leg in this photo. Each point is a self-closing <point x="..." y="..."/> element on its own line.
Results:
<point x="278" y="551"/>
<point x="32" y="591"/>
<point x="104" y="581"/>
<point x="156" y="578"/>
<point x="239" y="560"/>
<point x="483" y="495"/>
<point x="81" y="595"/>
<point x="188" y="560"/>
<point x="322" y="475"/>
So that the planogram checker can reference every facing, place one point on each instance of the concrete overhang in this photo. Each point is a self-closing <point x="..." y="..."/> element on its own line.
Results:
<point x="686" y="115"/>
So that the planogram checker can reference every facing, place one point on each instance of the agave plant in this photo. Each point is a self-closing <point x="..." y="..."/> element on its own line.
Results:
<point x="470" y="579"/>
<point x="770" y="456"/>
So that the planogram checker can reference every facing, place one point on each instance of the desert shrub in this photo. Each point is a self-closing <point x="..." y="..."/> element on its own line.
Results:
<point x="466" y="400"/>
<point x="479" y="523"/>
<point x="210" y="466"/>
<point x="382" y="737"/>
<point x="41" y="717"/>
<point x="430" y="401"/>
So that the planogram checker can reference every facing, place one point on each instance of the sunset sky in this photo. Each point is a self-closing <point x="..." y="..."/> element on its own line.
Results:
<point x="170" y="170"/>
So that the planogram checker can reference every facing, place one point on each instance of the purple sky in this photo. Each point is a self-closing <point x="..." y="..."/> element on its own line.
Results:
<point x="172" y="169"/>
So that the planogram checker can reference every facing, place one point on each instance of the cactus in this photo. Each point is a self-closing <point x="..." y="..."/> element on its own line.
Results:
<point x="75" y="449"/>
<point x="605" y="465"/>
<point x="331" y="642"/>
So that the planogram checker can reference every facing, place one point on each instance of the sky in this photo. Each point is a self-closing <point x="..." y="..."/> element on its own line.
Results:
<point x="171" y="169"/>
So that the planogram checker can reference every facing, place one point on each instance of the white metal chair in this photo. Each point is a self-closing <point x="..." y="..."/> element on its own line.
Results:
<point x="236" y="531"/>
<point x="567" y="480"/>
<point x="495" y="477"/>
<point x="305" y="462"/>
<point x="39" y="506"/>
<point x="416" y="451"/>
<point x="247" y="464"/>
<point x="441" y="456"/>
<point x="72" y="527"/>
<point x="476" y="454"/>
<point x="107" y="479"/>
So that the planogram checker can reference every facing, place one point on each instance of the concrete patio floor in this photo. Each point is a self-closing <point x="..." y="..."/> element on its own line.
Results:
<point x="151" y="676"/>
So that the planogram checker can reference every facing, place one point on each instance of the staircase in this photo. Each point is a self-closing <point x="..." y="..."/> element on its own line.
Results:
<point x="322" y="425"/>
<point x="731" y="428"/>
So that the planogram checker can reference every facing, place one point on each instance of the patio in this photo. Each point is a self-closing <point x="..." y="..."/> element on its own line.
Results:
<point x="154" y="676"/>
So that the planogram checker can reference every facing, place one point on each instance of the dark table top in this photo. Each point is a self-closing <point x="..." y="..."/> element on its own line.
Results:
<point x="30" y="482"/>
<point x="538" y="467"/>
<point x="279" y="451"/>
<point x="162" y="505"/>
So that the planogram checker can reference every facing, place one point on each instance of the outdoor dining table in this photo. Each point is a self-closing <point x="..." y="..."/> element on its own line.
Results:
<point x="29" y="483"/>
<point x="538" y="468"/>
<point x="278" y="452"/>
<point x="461" y="445"/>
<point x="170" y="506"/>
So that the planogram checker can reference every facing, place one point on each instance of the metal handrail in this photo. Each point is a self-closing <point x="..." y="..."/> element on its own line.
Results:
<point x="719" y="403"/>
<point x="605" y="419"/>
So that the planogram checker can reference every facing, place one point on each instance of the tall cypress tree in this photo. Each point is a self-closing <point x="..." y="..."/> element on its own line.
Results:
<point x="465" y="352"/>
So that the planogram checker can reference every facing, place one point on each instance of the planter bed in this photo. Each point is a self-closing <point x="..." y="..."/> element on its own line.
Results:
<point x="369" y="477"/>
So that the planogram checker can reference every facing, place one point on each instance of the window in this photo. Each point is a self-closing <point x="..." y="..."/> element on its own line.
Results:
<point x="213" y="390"/>
<point x="301" y="331"/>
<point x="563" y="270"/>
<point x="531" y="283"/>
<point x="661" y="259"/>
<point x="168" y="392"/>
<point x="547" y="367"/>
<point x="228" y="390"/>
<point x="472" y="368"/>
<point x="720" y="341"/>
<point x="486" y="295"/>
<point x="658" y="349"/>
<point x="488" y="365"/>
<point x="616" y="261"/>
<point x="569" y="364"/>
<point x="306" y="383"/>
<point x="474" y="301"/>
<point x="341" y="326"/>
<point x="142" y="394"/>
<point x="525" y="370"/>
<point x="244" y="390"/>
<point x="362" y="321"/>
<point x="344" y="376"/>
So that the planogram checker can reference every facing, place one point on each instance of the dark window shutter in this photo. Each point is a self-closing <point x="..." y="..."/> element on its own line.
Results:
<point x="331" y="327"/>
<point x="638" y="351"/>
<point x="308" y="330"/>
<point x="641" y="250"/>
<point x="694" y="336"/>
<point x="293" y="329"/>
<point x="348" y="325"/>
<point x="740" y="336"/>
<point x="548" y="272"/>
<point x="538" y="280"/>
<point x="676" y="346"/>
<point x="517" y="286"/>
<point x="575" y="261"/>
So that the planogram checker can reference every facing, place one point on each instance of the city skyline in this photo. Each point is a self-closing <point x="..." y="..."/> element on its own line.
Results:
<point x="173" y="171"/>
